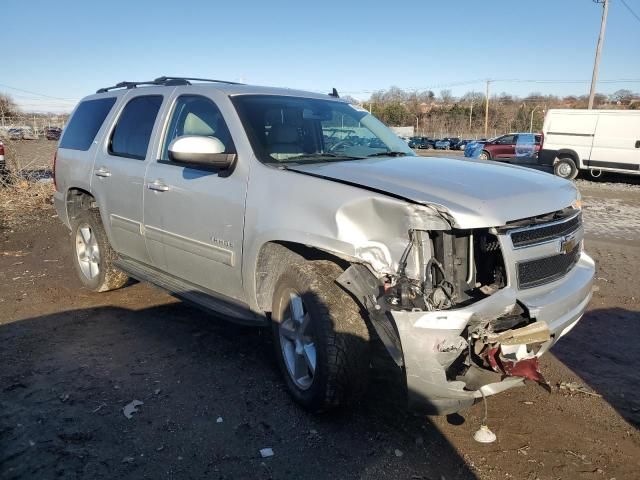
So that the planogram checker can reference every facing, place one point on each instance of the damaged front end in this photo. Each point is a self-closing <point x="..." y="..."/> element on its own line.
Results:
<point x="455" y="318"/>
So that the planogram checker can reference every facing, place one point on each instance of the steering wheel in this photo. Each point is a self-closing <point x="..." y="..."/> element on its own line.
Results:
<point x="341" y="145"/>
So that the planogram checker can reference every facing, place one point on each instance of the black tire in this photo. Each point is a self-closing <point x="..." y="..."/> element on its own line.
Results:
<point x="565" y="168"/>
<point x="108" y="276"/>
<point x="339" y="332"/>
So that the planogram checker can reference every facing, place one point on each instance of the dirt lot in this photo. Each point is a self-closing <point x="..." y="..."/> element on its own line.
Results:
<point x="71" y="360"/>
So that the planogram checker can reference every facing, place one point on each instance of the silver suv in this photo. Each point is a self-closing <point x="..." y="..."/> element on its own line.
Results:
<point x="300" y="211"/>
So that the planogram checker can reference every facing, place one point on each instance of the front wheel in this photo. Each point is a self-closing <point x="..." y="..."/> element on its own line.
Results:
<point x="484" y="155"/>
<point x="92" y="255"/>
<point x="321" y="339"/>
<point x="565" y="168"/>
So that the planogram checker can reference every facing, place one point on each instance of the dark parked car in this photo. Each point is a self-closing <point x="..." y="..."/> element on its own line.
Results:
<point x="453" y="142"/>
<point x="52" y="133"/>
<point x="443" y="144"/>
<point x="503" y="146"/>
<point x="421" y="143"/>
<point x="15" y="134"/>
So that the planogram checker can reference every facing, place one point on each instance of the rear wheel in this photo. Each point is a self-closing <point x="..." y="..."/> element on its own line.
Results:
<point x="93" y="256"/>
<point x="484" y="155"/>
<point x="565" y="168"/>
<point x="321" y="339"/>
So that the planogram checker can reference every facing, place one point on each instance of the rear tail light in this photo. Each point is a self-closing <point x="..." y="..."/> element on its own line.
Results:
<point x="55" y="157"/>
<point x="541" y="140"/>
<point x="1" y="148"/>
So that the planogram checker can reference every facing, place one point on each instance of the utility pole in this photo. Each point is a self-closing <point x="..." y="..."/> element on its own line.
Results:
<point x="596" y="63"/>
<point x="486" y="111"/>
<point x="531" y="122"/>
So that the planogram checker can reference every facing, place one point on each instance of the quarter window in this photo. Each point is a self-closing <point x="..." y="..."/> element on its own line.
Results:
<point x="199" y="116"/>
<point x="85" y="123"/>
<point x="130" y="137"/>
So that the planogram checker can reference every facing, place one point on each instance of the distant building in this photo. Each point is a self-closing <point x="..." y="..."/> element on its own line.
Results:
<point x="403" y="131"/>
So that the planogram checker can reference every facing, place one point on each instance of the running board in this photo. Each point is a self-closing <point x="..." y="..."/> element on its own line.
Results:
<point x="209" y="301"/>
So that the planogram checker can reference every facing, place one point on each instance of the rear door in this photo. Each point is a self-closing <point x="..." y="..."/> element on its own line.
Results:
<point x="119" y="168"/>
<point x="194" y="216"/>
<point x="616" y="144"/>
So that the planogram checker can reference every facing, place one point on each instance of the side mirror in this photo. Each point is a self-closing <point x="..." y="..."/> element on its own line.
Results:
<point x="200" y="151"/>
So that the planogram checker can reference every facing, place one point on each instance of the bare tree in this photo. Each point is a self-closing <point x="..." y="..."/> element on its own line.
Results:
<point x="446" y="96"/>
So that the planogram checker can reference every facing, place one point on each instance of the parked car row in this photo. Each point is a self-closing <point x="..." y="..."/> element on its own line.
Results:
<point x="447" y="143"/>
<point x="27" y="133"/>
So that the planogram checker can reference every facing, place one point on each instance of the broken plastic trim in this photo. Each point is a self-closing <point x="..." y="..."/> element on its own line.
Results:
<point x="359" y="281"/>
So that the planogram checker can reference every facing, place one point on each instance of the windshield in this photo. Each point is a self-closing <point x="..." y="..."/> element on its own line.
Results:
<point x="300" y="130"/>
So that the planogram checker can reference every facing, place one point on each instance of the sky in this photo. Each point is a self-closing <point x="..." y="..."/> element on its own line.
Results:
<point x="56" y="52"/>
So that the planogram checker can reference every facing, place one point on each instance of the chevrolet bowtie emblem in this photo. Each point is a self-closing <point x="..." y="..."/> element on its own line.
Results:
<point x="567" y="244"/>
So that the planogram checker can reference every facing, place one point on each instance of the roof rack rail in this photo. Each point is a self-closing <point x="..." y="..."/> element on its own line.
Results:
<point x="126" y="85"/>
<point x="164" y="81"/>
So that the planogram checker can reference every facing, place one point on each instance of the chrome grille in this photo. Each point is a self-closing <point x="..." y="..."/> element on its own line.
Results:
<point x="533" y="273"/>
<point x="534" y="235"/>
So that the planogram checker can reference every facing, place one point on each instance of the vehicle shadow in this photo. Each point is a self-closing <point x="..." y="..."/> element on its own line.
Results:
<point x="212" y="397"/>
<point x="607" y="177"/>
<point x="603" y="350"/>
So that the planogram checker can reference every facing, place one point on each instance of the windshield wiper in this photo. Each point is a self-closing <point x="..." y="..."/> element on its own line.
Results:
<point x="388" y="154"/>
<point x="315" y="156"/>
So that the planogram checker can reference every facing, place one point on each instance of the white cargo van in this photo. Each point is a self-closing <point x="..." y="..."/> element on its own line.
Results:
<point x="594" y="140"/>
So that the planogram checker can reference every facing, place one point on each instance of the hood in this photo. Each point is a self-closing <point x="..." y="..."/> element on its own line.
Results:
<point x="475" y="193"/>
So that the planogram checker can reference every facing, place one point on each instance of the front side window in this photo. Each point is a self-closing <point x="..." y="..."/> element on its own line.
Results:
<point x="300" y="130"/>
<point x="130" y="137"/>
<point x="196" y="115"/>
<point x="507" y="140"/>
<point x="85" y="123"/>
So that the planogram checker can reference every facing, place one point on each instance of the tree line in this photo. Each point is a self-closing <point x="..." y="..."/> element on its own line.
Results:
<point x="446" y="115"/>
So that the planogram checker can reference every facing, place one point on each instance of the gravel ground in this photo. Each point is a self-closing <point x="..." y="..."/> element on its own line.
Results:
<point x="71" y="360"/>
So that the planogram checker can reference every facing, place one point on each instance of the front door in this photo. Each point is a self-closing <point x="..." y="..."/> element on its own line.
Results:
<point x="194" y="216"/>
<point x="119" y="170"/>
<point x="505" y="147"/>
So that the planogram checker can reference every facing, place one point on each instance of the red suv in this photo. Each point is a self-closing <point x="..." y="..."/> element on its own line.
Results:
<point x="505" y="145"/>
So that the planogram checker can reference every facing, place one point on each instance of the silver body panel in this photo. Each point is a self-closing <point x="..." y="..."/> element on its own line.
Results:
<point x="208" y="230"/>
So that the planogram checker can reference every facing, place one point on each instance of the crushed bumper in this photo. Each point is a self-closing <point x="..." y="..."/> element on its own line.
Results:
<point x="432" y="341"/>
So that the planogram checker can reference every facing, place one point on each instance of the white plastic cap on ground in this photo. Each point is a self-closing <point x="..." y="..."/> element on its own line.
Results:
<point x="484" y="435"/>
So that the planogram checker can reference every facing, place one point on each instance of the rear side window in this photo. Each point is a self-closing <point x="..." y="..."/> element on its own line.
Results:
<point x="85" y="123"/>
<point x="130" y="137"/>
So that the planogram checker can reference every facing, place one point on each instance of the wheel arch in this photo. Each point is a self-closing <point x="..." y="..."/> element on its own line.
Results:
<point x="275" y="256"/>
<point x="568" y="153"/>
<point x="78" y="199"/>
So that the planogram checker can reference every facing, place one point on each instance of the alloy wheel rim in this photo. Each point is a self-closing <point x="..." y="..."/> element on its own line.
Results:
<point x="297" y="343"/>
<point x="87" y="251"/>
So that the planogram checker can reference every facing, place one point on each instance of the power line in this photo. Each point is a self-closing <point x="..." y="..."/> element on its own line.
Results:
<point x="631" y="10"/>
<point x="36" y="93"/>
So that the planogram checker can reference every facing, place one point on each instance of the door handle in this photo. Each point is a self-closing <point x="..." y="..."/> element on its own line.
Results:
<point x="157" y="186"/>
<point x="102" y="172"/>
<point x="637" y="143"/>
